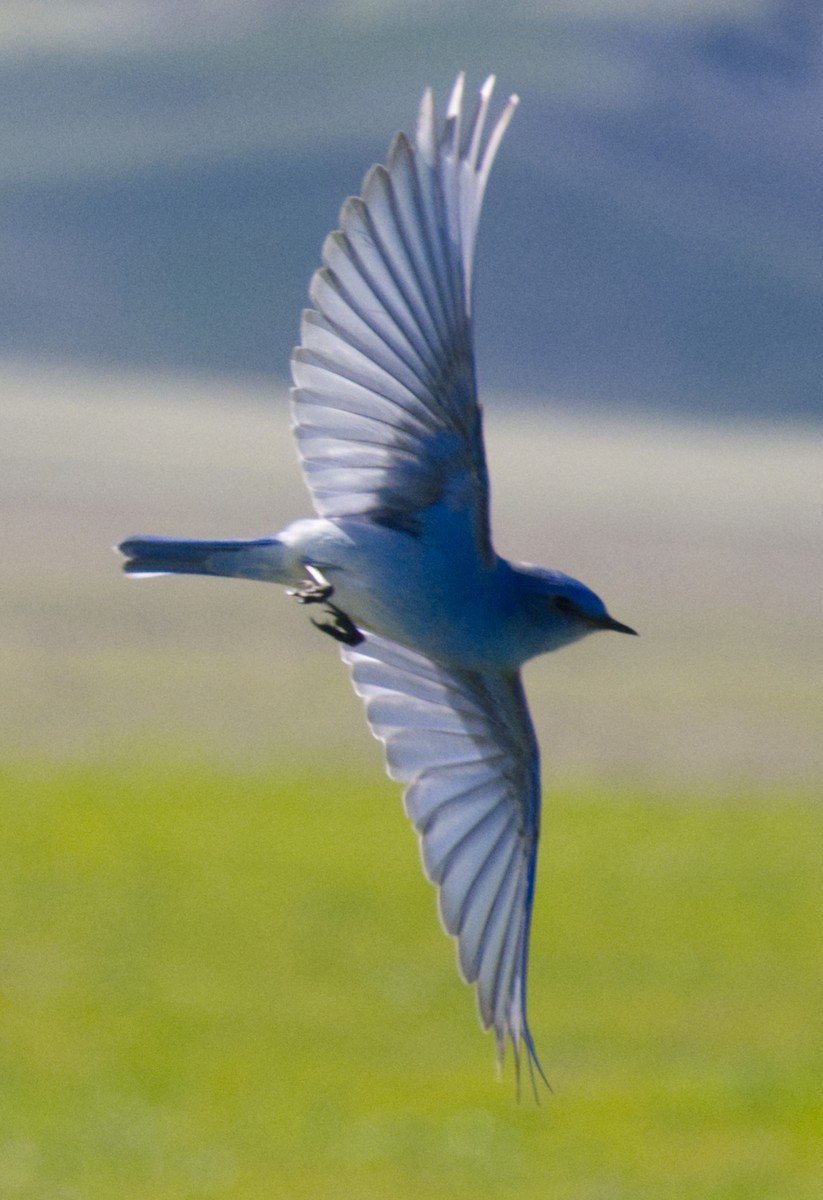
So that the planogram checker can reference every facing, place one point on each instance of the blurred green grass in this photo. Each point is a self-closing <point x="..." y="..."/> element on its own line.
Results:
<point x="221" y="983"/>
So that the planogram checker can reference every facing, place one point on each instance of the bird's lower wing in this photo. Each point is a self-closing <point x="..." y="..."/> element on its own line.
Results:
<point x="385" y="407"/>
<point x="463" y="743"/>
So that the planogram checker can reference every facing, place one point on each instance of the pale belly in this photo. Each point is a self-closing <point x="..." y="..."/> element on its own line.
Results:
<point x="428" y="592"/>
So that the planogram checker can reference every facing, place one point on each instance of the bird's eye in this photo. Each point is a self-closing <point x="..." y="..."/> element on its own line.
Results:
<point x="562" y="604"/>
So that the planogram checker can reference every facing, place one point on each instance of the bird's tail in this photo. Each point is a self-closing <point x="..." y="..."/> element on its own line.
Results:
<point x="263" y="558"/>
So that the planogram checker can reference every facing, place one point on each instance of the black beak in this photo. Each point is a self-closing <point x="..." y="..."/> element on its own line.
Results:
<point x="610" y="623"/>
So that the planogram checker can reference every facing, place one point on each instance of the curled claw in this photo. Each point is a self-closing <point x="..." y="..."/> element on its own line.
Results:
<point x="317" y="590"/>
<point x="340" y="627"/>
<point x="314" y="590"/>
<point x="310" y="593"/>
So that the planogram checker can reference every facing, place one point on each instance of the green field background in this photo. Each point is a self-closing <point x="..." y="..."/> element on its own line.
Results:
<point x="228" y="984"/>
<point x="221" y="972"/>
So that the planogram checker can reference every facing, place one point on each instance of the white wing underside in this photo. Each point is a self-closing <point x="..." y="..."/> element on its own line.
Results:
<point x="385" y="409"/>
<point x="387" y="423"/>
<point x="463" y="743"/>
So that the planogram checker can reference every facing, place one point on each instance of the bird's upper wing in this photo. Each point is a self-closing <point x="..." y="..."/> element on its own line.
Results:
<point x="385" y="407"/>
<point x="463" y="742"/>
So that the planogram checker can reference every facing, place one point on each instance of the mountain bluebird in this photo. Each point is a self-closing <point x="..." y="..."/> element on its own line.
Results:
<point x="399" y="562"/>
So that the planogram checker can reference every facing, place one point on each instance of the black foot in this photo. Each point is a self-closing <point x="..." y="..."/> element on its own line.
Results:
<point x="340" y="627"/>
<point x="317" y="590"/>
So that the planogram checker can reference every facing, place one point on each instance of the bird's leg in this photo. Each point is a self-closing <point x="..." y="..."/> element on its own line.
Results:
<point x="317" y="590"/>
<point x="314" y="590"/>
<point x="341" y="627"/>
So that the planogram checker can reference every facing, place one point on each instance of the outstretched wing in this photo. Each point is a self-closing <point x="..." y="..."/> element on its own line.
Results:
<point x="385" y="406"/>
<point x="463" y="742"/>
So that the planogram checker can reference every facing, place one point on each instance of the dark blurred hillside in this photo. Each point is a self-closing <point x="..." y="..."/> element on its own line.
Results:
<point x="653" y="233"/>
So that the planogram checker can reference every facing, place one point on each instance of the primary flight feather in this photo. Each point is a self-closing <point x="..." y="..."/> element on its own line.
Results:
<point x="399" y="561"/>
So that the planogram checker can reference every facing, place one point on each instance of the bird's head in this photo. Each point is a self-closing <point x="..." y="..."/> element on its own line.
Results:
<point x="562" y="610"/>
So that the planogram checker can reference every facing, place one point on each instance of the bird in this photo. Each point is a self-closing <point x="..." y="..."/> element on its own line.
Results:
<point x="398" y="562"/>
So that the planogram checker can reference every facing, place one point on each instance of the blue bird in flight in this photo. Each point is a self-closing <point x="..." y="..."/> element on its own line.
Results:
<point x="399" y="561"/>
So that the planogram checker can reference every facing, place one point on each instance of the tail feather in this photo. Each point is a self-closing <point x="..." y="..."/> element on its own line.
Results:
<point x="258" y="559"/>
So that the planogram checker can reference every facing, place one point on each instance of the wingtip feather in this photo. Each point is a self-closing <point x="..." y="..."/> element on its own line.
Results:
<point x="425" y="134"/>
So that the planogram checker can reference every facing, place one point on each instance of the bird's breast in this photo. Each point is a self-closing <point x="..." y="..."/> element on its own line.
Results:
<point x="431" y="593"/>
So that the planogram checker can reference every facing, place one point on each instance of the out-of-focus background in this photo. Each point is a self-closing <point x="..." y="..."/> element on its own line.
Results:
<point x="653" y="233"/>
<point x="220" y="970"/>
